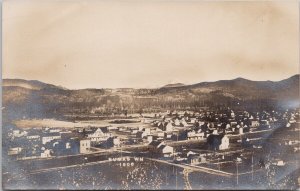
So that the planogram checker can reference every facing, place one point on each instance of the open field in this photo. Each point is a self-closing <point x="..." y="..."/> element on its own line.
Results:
<point x="53" y="123"/>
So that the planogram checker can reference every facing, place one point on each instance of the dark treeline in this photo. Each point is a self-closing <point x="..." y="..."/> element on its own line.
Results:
<point x="40" y="107"/>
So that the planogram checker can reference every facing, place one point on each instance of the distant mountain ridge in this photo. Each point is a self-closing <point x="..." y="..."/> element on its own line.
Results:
<point x="35" y="98"/>
<point x="38" y="85"/>
<point x="244" y="88"/>
<point x="29" y="84"/>
<point x="174" y="85"/>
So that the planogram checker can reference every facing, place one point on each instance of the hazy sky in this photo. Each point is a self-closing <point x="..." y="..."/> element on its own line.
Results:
<point x="101" y="44"/>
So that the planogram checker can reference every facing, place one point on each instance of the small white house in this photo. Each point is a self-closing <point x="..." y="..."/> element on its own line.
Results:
<point x="169" y="127"/>
<point x="166" y="150"/>
<point x="19" y="133"/>
<point x="254" y="123"/>
<point x="116" y="141"/>
<point x="279" y="163"/>
<point x="141" y="134"/>
<point x="224" y="143"/>
<point x="46" y="153"/>
<point x="241" y="130"/>
<point x="149" y="138"/>
<point x="32" y="137"/>
<point x="85" y="145"/>
<point x="176" y="122"/>
<point x="14" y="151"/>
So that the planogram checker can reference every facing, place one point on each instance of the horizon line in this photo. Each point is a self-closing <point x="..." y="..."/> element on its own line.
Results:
<point x="161" y="86"/>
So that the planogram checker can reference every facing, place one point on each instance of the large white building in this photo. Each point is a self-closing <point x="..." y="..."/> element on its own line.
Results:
<point x="50" y="136"/>
<point x="98" y="136"/>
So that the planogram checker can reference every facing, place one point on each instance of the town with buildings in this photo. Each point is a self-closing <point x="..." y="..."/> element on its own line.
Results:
<point x="213" y="142"/>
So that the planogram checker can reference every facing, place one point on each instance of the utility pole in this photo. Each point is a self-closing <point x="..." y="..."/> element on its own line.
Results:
<point x="93" y="182"/>
<point x="73" y="176"/>
<point x="252" y="166"/>
<point x="166" y="177"/>
<point x="237" y="173"/>
<point x="176" y="178"/>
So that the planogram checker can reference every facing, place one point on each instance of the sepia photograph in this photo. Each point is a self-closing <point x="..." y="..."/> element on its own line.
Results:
<point x="150" y="95"/>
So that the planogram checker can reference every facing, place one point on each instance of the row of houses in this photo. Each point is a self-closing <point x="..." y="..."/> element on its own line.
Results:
<point x="214" y="142"/>
<point x="47" y="142"/>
